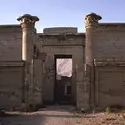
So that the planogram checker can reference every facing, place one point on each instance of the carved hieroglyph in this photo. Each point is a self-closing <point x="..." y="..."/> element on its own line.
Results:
<point x="91" y="20"/>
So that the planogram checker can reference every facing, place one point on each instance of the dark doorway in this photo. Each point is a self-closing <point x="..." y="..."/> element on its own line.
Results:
<point x="63" y="79"/>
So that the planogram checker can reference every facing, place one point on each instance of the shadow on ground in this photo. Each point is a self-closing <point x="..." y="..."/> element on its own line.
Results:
<point x="16" y="119"/>
<point x="41" y="117"/>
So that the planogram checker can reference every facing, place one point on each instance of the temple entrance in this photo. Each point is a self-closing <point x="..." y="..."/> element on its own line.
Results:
<point x="63" y="79"/>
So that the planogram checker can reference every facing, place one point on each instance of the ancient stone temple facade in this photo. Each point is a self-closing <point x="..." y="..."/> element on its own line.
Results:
<point x="28" y="76"/>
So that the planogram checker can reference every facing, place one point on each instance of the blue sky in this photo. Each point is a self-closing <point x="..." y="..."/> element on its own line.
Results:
<point x="56" y="13"/>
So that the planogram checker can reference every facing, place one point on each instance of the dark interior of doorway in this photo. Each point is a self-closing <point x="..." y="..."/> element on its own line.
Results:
<point x="62" y="90"/>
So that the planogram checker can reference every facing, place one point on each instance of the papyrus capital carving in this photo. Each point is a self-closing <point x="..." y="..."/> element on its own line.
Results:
<point x="27" y="20"/>
<point x="91" y="20"/>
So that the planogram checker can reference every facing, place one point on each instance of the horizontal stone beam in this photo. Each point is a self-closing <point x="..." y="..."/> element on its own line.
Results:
<point x="109" y="62"/>
<point x="11" y="63"/>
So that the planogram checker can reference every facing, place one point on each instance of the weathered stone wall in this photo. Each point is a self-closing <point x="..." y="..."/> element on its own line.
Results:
<point x="37" y="81"/>
<point x="109" y="41"/>
<point x="10" y="42"/>
<point x="11" y="50"/>
<point x="109" y="82"/>
<point x="11" y="67"/>
<point x="11" y="84"/>
<point x="108" y="46"/>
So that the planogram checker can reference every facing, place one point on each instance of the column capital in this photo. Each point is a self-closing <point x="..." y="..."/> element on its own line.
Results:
<point x="27" y="20"/>
<point x="91" y="20"/>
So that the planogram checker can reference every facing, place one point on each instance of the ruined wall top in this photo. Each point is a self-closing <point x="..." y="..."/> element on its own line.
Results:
<point x="60" y="30"/>
<point x="91" y="20"/>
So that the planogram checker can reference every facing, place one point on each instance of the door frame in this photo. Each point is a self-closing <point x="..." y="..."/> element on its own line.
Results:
<point x="58" y="56"/>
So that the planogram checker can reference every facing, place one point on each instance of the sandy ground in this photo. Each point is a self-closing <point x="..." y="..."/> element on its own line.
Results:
<point x="62" y="116"/>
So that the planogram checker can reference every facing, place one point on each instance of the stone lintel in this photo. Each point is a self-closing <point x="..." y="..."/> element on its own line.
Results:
<point x="10" y="26"/>
<point x="60" y="30"/>
<point x="11" y="63"/>
<point x="109" y="62"/>
<point x="56" y="35"/>
<point x="112" y="24"/>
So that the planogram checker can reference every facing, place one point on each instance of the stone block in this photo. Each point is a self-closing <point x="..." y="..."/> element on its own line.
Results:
<point x="60" y="30"/>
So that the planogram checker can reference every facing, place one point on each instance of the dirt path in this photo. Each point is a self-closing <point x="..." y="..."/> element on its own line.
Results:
<point x="61" y="116"/>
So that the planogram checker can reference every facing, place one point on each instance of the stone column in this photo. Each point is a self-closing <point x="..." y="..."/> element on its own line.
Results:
<point x="91" y="23"/>
<point x="28" y="39"/>
<point x="28" y="33"/>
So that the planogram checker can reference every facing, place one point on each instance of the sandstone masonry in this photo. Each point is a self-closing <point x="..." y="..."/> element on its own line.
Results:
<point x="27" y="63"/>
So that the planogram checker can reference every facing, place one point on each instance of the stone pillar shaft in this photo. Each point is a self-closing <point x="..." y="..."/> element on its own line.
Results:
<point x="28" y="33"/>
<point x="27" y="46"/>
<point x="89" y="47"/>
<point x="91" y="23"/>
<point x="28" y="40"/>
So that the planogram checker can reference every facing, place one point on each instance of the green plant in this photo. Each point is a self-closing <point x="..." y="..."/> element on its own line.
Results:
<point x="108" y="110"/>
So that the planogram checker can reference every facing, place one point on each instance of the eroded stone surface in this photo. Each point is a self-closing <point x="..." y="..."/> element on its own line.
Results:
<point x="101" y="48"/>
